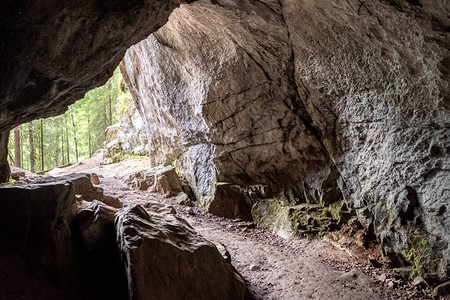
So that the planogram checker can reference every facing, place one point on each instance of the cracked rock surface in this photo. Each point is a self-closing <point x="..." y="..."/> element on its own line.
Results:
<point x="321" y="101"/>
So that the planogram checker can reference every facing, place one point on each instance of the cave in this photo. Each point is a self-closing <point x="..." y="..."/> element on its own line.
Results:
<point x="299" y="118"/>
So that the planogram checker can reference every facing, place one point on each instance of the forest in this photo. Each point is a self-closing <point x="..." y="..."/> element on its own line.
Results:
<point x="72" y="137"/>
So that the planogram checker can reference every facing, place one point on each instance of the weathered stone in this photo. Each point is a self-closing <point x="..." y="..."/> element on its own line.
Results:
<point x="230" y="201"/>
<point x="112" y="201"/>
<point x="167" y="182"/>
<point x="166" y="259"/>
<point x="82" y="186"/>
<point x="95" y="223"/>
<point x="37" y="251"/>
<point x="132" y="134"/>
<point x="99" y="266"/>
<point x="214" y="119"/>
<point x="325" y="101"/>
<point x="94" y="178"/>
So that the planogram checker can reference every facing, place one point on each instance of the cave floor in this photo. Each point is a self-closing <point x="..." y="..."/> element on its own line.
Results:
<point x="273" y="267"/>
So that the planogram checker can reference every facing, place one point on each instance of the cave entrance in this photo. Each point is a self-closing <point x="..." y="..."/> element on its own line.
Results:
<point x="76" y="135"/>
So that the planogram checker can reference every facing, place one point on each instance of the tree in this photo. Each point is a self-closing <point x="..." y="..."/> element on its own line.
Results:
<point x="17" y="148"/>
<point x="67" y="139"/>
<point x="81" y="128"/>
<point x="42" y="146"/>
<point x="74" y="133"/>
<point x="31" y="142"/>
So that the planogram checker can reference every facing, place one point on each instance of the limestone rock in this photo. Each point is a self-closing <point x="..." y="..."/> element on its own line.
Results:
<point x="163" y="180"/>
<point x="327" y="102"/>
<point x="230" y="201"/>
<point x="94" y="178"/>
<point x="171" y="261"/>
<point x="132" y="134"/>
<point x="82" y="186"/>
<point x="214" y="120"/>
<point x="167" y="182"/>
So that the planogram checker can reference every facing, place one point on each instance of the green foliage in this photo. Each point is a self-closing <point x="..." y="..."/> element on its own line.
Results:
<point x="334" y="210"/>
<point x="420" y="254"/>
<point x="98" y="109"/>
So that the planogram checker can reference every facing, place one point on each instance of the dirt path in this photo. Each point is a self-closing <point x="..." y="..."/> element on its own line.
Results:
<point x="274" y="268"/>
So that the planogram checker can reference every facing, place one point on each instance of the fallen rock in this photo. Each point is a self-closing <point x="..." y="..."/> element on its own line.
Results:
<point x="82" y="186"/>
<point x="231" y="202"/>
<point x="112" y="201"/>
<point x="36" y="246"/>
<point x="167" y="182"/>
<point x="166" y="259"/>
<point x="95" y="223"/>
<point x="95" y="179"/>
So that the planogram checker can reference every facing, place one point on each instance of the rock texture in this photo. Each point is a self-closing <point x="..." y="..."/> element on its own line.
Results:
<point x="60" y="239"/>
<point x="318" y="101"/>
<point x="129" y="135"/>
<point x="172" y="262"/>
<point x="132" y="134"/>
<point x="36" y="246"/>
<point x="199" y="109"/>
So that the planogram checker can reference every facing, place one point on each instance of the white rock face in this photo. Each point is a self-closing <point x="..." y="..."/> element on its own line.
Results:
<point x="132" y="135"/>
<point x="325" y="101"/>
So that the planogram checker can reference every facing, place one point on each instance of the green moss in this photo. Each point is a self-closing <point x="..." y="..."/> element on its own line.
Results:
<point x="420" y="254"/>
<point x="124" y="156"/>
<point x="334" y="210"/>
<point x="12" y="181"/>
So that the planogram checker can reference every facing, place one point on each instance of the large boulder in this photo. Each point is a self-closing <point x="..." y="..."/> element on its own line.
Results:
<point x="37" y="258"/>
<point x="230" y="201"/>
<point x="54" y="245"/>
<point x="166" y="259"/>
<point x="320" y="102"/>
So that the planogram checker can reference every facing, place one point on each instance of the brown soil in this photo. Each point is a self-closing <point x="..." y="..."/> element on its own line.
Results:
<point x="274" y="268"/>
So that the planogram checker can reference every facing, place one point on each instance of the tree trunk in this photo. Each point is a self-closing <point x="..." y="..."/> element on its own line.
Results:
<point x="110" y="111"/>
<point x="74" y="134"/>
<point x="5" y="171"/>
<point x="67" y="140"/>
<point x="89" y="136"/>
<point x="42" y="146"/>
<point x="62" y="141"/>
<point x="17" y="147"/>
<point x="21" y="149"/>
<point x="32" y="153"/>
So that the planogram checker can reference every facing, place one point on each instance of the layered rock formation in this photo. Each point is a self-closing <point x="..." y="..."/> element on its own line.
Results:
<point x="314" y="101"/>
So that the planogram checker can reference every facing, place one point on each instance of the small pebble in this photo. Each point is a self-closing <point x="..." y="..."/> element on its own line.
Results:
<point x="255" y="268"/>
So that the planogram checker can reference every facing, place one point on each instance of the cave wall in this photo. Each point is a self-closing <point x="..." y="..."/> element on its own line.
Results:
<point x="318" y="99"/>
